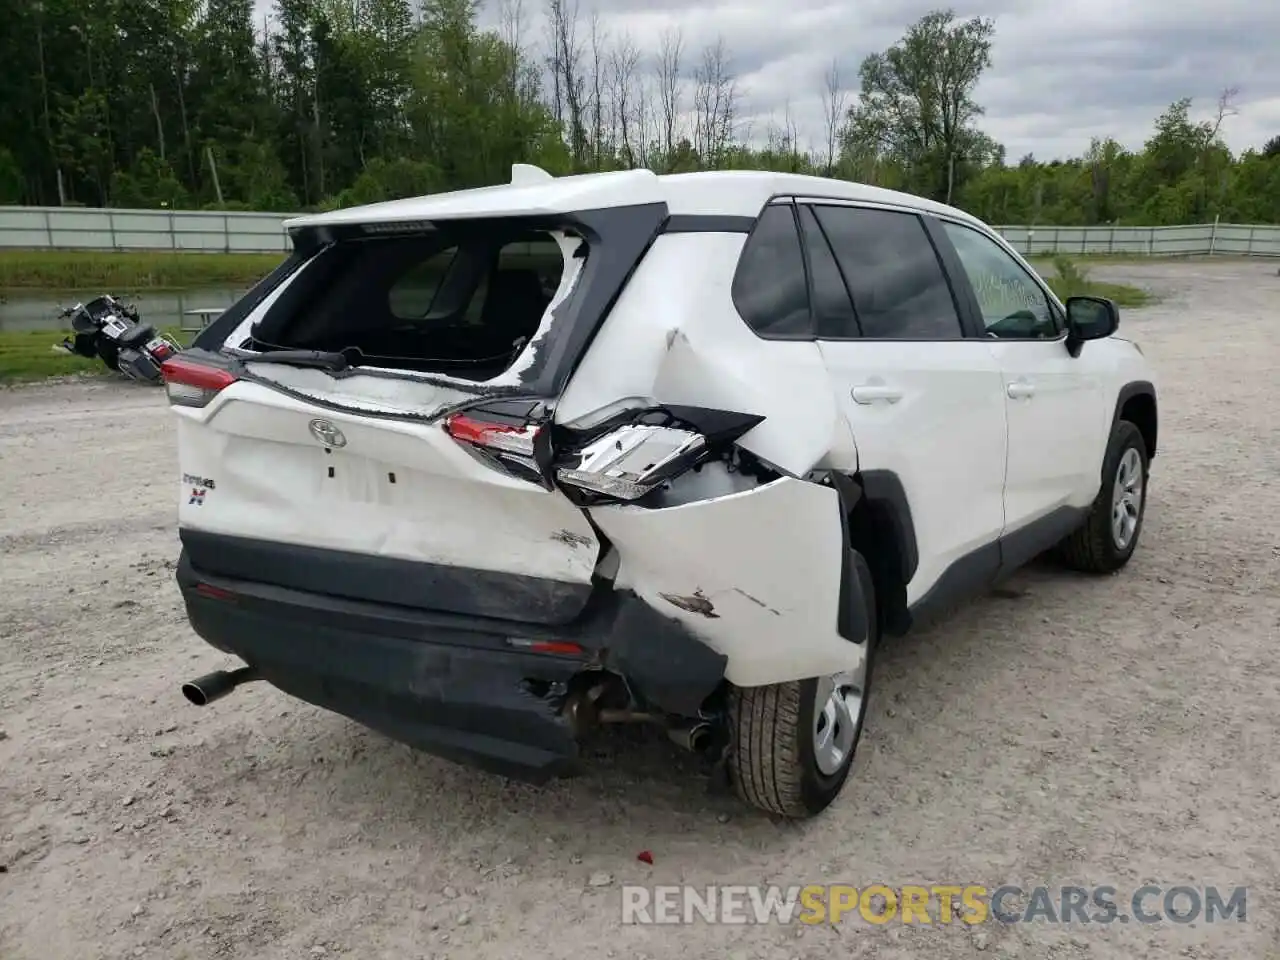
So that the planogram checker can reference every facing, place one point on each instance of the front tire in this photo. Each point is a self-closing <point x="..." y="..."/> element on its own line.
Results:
<point x="792" y="744"/>
<point x="1108" y="537"/>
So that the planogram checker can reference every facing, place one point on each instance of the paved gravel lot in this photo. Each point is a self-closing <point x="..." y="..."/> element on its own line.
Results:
<point x="1062" y="731"/>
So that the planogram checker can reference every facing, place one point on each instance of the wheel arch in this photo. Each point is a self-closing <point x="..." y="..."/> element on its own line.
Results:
<point x="877" y="524"/>
<point x="1136" y="402"/>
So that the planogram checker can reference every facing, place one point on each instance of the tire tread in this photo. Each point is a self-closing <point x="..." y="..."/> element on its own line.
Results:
<point x="766" y="769"/>
<point x="1089" y="549"/>
<point x="769" y="744"/>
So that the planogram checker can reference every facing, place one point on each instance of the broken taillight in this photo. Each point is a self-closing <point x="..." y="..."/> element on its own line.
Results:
<point x="506" y="437"/>
<point x="509" y="435"/>
<point x="193" y="384"/>
<point x="630" y="461"/>
<point x="633" y="452"/>
<point x="637" y="451"/>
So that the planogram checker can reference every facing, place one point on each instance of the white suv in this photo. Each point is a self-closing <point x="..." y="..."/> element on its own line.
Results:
<point x="486" y="469"/>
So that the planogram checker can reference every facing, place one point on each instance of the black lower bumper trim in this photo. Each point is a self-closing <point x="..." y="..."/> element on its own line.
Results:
<point x="450" y="685"/>
<point x="388" y="580"/>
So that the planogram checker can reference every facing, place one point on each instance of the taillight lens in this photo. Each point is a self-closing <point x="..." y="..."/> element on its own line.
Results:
<point x="633" y="460"/>
<point x="511" y="436"/>
<point x="506" y="437"/>
<point x="193" y="384"/>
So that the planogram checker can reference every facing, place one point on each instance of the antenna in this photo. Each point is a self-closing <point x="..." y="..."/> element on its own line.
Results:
<point x="526" y="174"/>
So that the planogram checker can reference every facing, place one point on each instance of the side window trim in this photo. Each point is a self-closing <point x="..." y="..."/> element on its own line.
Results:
<point x="964" y="310"/>
<point x="1056" y="309"/>
<point x="804" y="261"/>
<point x="815" y="324"/>
<point x="961" y="289"/>
<point x="844" y="280"/>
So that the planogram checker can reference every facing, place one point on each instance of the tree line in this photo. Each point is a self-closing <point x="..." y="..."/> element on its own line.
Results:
<point x="193" y="104"/>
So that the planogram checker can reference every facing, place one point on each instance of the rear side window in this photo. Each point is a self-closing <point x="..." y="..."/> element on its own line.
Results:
<point x="898" y="287"/>
<point x="769" y="288"/>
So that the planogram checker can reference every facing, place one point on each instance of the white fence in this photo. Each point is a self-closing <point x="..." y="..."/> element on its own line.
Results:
<point x="86" y="228"/>
<point x="1199" y="239"/>
<point x="92" y="228"/>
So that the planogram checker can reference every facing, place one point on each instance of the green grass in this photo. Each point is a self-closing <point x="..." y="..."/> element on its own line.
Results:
<point x="27" y="355"/>
<point x="1043" y="259"/>
<point x="121" y="273"/>
<point x="1069" y="279"/>
<point x="1040" y="259"/>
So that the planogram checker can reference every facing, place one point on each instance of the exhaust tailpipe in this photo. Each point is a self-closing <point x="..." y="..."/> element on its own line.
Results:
<point x="695" y="737"/>
<point x="213" y="686"/>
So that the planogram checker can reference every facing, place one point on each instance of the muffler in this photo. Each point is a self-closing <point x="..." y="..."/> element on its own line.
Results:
<point x="213" y="686"/>
<point x="695" y="737"/>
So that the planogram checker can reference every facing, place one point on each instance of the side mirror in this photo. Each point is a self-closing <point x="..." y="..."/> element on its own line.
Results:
<point x="1090" y="318"/>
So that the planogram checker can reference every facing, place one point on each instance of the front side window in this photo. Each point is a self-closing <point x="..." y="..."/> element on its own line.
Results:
<point x="1013" y="305"/>
<point x="893" y="272"/>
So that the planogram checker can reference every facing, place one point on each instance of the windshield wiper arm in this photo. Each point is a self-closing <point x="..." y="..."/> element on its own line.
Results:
<point x="324" y="359"/>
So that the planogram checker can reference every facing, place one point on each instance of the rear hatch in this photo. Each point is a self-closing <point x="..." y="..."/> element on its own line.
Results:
<point x="328" y="429"/>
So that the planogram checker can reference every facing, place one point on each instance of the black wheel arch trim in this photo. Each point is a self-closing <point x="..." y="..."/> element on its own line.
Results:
<point x="1137" y="388"/>
<point x="884" y="490"/>
<point x="851" y="619"/>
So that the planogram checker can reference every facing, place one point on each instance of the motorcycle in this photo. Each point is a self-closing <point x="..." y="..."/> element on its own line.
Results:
<point x="111" y="331"/>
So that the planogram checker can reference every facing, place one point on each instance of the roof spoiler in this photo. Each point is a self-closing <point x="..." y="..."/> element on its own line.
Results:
<point x="526" y="175"/>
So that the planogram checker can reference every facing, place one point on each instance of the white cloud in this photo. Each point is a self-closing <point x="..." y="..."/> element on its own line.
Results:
<point x="1062" y="73"/>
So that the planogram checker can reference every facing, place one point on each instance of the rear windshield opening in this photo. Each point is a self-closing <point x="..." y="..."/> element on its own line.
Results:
<point x="462" y="303"/>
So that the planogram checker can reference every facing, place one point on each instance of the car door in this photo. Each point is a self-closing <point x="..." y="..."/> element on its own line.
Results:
<point x="925" y="403"/>
<point x="1054" y="400"/>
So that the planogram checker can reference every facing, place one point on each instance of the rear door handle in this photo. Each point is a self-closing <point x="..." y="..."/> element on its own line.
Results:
<point x="876" y="392"/>
<point x="1021" y="390"/>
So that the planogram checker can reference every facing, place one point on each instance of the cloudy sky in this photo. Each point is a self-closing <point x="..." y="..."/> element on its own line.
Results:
<point x="1063" y="71"/>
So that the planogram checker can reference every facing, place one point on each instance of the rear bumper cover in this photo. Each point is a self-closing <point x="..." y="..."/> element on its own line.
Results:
<point x="450" y="685"/>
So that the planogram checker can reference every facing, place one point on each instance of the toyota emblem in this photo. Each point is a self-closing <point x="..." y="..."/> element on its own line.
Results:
<point x="327" y="433"/>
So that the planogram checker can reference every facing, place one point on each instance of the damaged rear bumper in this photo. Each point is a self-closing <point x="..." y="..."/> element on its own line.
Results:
<point x="761" y="575"/>
<point x="463" y="688"/>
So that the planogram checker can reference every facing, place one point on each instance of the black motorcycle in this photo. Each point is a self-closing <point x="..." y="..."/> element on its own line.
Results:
<point x="111" y="331"/>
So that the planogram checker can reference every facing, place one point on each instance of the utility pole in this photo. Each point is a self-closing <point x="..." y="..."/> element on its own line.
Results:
<point x="213" y="169"/>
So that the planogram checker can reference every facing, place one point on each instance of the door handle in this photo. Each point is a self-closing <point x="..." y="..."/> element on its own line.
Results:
<point x="1021" y="390"/>
<point x="875" y="392"/>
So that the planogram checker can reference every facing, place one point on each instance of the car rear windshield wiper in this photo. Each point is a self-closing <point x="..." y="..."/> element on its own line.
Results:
<point x="324" y="359"/>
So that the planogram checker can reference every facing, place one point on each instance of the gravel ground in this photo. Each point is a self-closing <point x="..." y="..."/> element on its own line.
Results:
<point x="1063" y="730"/>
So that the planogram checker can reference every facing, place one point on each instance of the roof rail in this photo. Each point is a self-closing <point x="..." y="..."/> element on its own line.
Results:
<point x="526" y="174"/>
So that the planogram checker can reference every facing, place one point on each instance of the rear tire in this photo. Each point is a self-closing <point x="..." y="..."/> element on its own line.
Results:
<point x="1108" y="537"/>
<point x="775" y="759"/>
